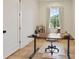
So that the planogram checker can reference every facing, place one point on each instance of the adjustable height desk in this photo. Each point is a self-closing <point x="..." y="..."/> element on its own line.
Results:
<point x="45" y="36"/>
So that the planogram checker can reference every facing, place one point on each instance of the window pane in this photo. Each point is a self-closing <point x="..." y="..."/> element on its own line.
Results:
<point x="54" y="18"/>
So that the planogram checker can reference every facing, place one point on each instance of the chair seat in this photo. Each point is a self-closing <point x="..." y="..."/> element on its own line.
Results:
<point x="52" y="40"/>
<point x="54" y="36"/>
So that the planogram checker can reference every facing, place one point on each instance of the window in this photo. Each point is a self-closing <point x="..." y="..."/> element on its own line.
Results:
<point x="54" y="18"/>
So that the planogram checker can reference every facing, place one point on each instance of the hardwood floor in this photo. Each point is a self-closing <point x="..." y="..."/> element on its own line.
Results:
<point x="25" y="52"/>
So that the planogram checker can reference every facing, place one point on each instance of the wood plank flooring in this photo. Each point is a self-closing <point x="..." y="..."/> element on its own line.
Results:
<point x="25" y="52"/>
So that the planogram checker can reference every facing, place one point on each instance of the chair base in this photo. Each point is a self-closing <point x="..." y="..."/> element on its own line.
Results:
<point x="52" y="49"/>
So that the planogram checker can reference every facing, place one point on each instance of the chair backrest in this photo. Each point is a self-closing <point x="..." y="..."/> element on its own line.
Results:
<point x="52" y="30"/>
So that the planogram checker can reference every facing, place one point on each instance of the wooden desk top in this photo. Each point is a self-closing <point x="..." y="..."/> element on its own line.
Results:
<point x="46" y="36"/>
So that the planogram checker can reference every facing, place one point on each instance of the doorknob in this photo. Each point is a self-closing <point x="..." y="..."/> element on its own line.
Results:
<point x="4" y="31"/>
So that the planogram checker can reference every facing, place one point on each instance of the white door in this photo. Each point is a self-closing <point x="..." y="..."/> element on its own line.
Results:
<point x="10" y="24"/>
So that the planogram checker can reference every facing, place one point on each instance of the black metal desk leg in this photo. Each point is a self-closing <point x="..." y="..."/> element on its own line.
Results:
<point x="35" y="49"/>
<point x="68" y="44"/>
<point x="34" y="45"/>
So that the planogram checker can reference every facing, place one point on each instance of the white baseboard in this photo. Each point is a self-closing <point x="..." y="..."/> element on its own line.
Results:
<point x="25" y="43"/>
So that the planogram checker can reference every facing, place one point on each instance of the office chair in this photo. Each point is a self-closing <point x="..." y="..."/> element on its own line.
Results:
<point x="52" y="48"/>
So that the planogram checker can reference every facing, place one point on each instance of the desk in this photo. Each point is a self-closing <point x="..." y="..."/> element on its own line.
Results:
<point x="45" y="36"/>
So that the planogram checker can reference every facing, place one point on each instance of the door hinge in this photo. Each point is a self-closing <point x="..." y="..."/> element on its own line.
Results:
<point x="19" y="41"/>
<point x="19" y="14"/>
<point x="19" y="0"/>
<point x="19" y="28"/>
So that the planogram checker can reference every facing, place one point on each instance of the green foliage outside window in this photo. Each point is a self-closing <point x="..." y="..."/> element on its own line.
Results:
<point x="54" y="21"/>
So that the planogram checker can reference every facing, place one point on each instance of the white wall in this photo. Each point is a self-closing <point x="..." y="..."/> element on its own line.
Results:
<point x="69" y="20"/>
<point x="29" y="20"/>
<point x="68" y="14"/>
